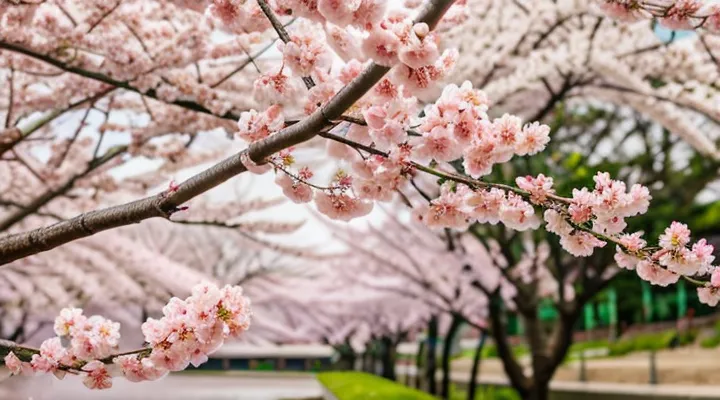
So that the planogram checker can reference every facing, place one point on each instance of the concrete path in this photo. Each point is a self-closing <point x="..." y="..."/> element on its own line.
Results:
<point x="187" y="386"/>
<point x="581" y="390"/>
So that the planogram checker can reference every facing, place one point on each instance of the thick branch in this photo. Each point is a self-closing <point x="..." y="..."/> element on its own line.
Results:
<point x="24" y="244"/>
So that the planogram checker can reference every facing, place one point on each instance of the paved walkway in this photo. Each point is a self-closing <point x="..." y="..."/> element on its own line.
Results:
<point x="188" y="386"/>
<point x="582" y="388"/>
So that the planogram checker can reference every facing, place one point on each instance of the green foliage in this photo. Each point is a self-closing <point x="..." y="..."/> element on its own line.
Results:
<point x="362" y="386"/>
<point x="687" y="337"/>
<point x="265" y="366"/>
<point x="710" y="342"/>
<point x="714" y="340"/>
<point x="649" y="341"/>
<point x="579" y="347"/>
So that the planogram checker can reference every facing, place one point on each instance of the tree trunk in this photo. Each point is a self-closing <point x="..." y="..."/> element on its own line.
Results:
<point x="472" y="386"/>
<point x="431" y="366"/>
<point x="418" y="364"/>
<point x="373" y="358"/>
<point x="455" y="324"/>
<point x="364" y="365"/>
<point x="538" y="391"/>
<point x="388" y="358"/>
<point x="347" y="357"/>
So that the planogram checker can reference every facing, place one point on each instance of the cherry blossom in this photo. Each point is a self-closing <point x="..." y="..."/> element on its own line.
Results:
<point x="189" y="330"/>
<point x="254" y="126"/>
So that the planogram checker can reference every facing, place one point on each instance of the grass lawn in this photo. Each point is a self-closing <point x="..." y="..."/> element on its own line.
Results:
<point x="362" y="386"/>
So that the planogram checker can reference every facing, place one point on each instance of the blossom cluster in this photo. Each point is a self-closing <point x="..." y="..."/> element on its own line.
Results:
<point x="673" y="14"/>
<point x="189" y="330"/>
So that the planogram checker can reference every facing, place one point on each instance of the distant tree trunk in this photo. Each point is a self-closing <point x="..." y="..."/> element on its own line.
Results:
<point x="388" y="352"/>
<point x="364" y="361"/>
<point x="455" y="324"/>
<point x="347" y="357"/>
<point x="418" y="364"/>
<point x="431" y="365"/>
<point x="472" y="386"/>
<point x="373" y="358"/>
<point x="538" y="391"/>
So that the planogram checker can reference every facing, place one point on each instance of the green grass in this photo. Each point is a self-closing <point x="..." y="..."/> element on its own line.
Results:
<point x="362" y="386"/>
<point x="712" y="341"/>
<point x="652" y="341"/>
<point x="486" y="393"/>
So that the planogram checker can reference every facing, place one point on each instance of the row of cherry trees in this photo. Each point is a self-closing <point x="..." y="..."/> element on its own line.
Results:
<point x="364" y="80"/>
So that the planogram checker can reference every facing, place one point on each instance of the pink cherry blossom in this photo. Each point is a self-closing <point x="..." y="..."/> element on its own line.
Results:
<point x="341" y="206"/>
<point x="556" y="223"/>
<point x="97" y="376"/>
<point x="382" y="46"/>
<point x="633" y="243"/>
<point x="296" y="191"/>
<point x="41" y="364"/>
<point x="339" y="12"/>
<point x="484" y="205"/>
<point x="623" y="10"/>
<point x="479" y="158"/>
<point x="306" y="51"/>
<point x="68" y="318"/>
<point x="704" y="254"/>
<point x="709" y="295"/>
<point x="276" y="88"/>
<point x="712" y="23"/>
<point x="17" y="367"/>
<point x="539" y="187"/>
<point x="581" y="207"/>
<point x="655" y="274"/>
<point x="532" y="139"/>
<point x="715" y="277"/>
<point x="580" y="244"/>
<point x="518" y="214"/>
<point x="369" y="13"/>
<point x="681" y="14"/>
<point x="319" y="95"/>
<point x="138" y="370"/>
<point x="677" y="235"/>
<point x="438" y="144"/>
<point x="445" y="211"/>
<point x="53" y="350"/>
<point x="681" y="261"/>
<point x="420" y="49"/>
<point x="254" y="126"/>
<point x="252" y="167"/>
<point x="507" y="130"/>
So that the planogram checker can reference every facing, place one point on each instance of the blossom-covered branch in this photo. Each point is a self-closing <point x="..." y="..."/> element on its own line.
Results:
<point x="164" y="204"/>
<point x="189" y="330"/>
<point x="673" y="14"/>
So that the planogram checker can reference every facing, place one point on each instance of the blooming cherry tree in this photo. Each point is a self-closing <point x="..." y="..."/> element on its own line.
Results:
<point x="367" y="77"/>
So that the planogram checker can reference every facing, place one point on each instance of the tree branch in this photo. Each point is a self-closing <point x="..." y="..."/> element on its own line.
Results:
<point x="190" y="105"/>
<point x="164" y="204"/>
<point x="282" y="34"/>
